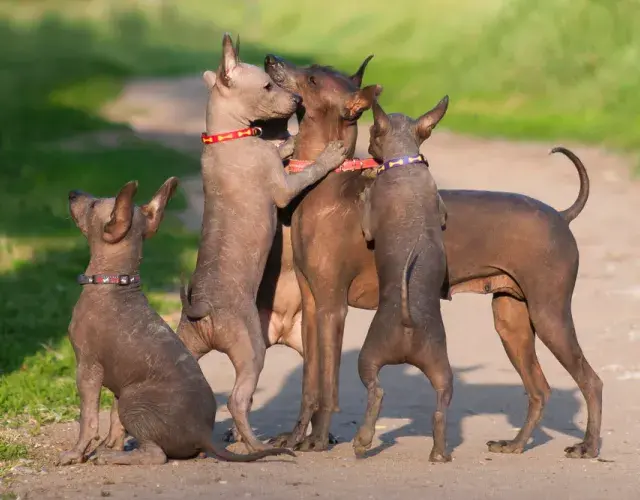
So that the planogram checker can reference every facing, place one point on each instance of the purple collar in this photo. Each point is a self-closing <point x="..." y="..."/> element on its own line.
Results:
<point x="402" y="162"/>
<point x="109" y="279"/>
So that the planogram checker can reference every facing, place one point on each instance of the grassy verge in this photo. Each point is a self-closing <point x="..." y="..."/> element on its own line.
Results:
<point x="56" y="74"/>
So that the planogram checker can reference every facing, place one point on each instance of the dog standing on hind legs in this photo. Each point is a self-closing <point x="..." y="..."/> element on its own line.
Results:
<point x="402" y="215"/>
<point x="163" y="399"/>
<point x="244" y="184"/>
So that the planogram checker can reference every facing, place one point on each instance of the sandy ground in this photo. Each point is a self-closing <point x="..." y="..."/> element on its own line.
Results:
<point x="489" y="400"/>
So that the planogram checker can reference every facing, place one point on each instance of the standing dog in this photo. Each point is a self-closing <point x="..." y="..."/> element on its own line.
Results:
<point x="402" y="216"/>
<point x="244" y="184"/>
<point x="163" y="399"/>
<point x="532" y="284"/>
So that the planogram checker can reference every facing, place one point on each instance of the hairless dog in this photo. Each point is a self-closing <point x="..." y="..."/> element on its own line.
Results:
<point x="163" y="399"/>
<point x="244" y="184"/>
<point x="529" y="264"/>
<point x="401" y="214"/>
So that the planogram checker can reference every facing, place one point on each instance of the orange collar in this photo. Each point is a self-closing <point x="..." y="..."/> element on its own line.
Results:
<point x="229" y="136"/>
<point x="296" y="166"/>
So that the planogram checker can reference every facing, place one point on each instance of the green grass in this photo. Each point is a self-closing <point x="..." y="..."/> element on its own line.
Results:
<point x="551" y="70"/>
<point x="12" y="451"/>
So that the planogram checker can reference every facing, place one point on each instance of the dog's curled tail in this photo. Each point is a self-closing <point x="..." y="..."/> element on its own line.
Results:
<point x="407" y="322"/>
<point x="196" y="311"/>
<point x="229" y="456"/>
<point x="574" y="210"/>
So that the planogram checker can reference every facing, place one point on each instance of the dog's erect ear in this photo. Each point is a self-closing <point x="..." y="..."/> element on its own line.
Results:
<point x="360" y="101"/>
<point x="427" y="122"/>
<point x="381" y="123"/>
<point x="238" y="47"/>
<point x="154" y="210"/>
<point x="358" y="75"/>
<point x="209" y="78"/>
<point x="121" y="215"/>
<point x="229" y="60"/>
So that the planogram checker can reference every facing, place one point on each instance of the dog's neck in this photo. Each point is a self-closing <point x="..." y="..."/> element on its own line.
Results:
<point x="222" y="115"/>
<point x="315" y="133"/>
<point x="124" y="262"/>
<point x="399" y="151"/>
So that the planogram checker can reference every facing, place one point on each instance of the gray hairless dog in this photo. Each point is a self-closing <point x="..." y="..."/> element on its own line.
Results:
<point x="163" y="399"/>
<point x="244" y="184"/>
<point x="401" y="214"/>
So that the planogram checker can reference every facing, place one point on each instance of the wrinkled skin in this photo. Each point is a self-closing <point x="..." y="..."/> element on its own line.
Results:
<point x="529" y="264"/>
<point x="244" y="185"/>
<point x="121" y="343"/>
<point x="403" y="219"/>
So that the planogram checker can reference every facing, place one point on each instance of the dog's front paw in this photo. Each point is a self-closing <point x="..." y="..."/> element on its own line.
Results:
<point x="314" y="443"/>
<point x="581" y="450"/>
<point x="505" y="447"/>
<point x="333" y="155"/>
<point x="70" y="457"/>
<point x="439" y="457"/>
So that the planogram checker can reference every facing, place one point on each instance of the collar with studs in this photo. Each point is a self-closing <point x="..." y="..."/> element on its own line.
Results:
<point x="296" y="166"/>
<point x="109" y="279"/>
<point x="402" y="162"/>
<point x="229" y="136"/>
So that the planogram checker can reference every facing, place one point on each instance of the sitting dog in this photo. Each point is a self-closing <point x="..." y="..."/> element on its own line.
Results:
<point x="163" y="399"/>
<point x="401" y="214"/>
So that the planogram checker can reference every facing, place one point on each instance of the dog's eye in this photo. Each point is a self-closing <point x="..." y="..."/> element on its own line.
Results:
<point x="312" y="80"/>
<point x="268" y="87"/>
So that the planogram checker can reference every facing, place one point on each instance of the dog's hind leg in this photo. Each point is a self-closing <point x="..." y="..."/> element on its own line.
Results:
<point x="553" y="324"/>
<point x="511" y="318"/>
<point x="247" y="356"/>
<point x="429" y="354"/>
<point x="376" y="352"/>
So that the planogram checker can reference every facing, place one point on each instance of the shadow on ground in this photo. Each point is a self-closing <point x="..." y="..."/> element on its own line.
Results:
<point x="409" y="395"/>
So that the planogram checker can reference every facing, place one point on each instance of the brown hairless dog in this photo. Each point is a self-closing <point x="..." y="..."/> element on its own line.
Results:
<point x="529" y="264"/>
<point x="163" y="399"/>
<point x="244" y="184"/>
<point x="402" y="216"/>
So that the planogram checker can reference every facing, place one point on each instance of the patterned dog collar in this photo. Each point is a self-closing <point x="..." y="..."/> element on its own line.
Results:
<point x="229" y="136"/>
<point x="109" y="279"/>
<point x="402" y="162"/>
<point x="296" y="166"/>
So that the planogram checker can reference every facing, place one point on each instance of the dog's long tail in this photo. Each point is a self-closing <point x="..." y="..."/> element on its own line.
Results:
<point x="196" y="311"/>
<point x="574" y="210"/>
<point x="407" y="322"/>
<point x="229" y="456"/>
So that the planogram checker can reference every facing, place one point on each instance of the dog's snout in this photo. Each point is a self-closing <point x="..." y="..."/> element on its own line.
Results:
<point x="297" y="99"/>
<point x="73" y="195"/>
<point x="272" y="60"/>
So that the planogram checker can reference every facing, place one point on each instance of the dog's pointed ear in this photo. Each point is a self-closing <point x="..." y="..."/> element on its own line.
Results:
<point x="121" y="215"/>
<point x="381" y="123"/>
<point x="427" y="122"/>
<point x="358" y="75"/>
<point x="154" y="210"/>
<point x="229" y="60"/>
<point x="360" y="101"/>
<point x="238" y="47"/>
<point x="209" y="78"/>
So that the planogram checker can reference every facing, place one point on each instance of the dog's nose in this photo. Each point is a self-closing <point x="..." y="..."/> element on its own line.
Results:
<point x="272" y="60"/>
<point x="73" y="195"/>
<point x="297" y="99"/>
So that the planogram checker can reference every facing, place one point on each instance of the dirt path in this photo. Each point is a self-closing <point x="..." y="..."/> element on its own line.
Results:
<point x="489" y="401"/>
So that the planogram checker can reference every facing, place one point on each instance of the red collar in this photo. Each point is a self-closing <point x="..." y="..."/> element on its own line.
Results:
<point x="229" y="136"/>
<point x="109" y="279"/>
<point x="296" y="166"/>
